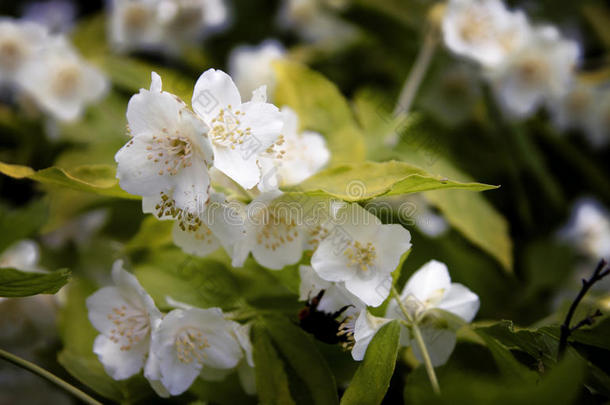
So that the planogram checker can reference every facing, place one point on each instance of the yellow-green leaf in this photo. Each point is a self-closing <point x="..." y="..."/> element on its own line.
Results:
<point x="366" y="180"/>
<point x="97" y="179"/>
<point x="321" y="108"/>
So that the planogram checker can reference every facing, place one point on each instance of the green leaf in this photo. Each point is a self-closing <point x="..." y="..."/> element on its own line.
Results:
<point x="304" y="358"/>
<point x="225" y="392"/>
<point x="506" y="362"/>
<point x="152" y="234"/>
<point x="366" y="180"/>
<point x="16" y="283"/>
<point x="16" y="224"/>
<point x="372" y="378"/>
<point x="196" y="281"/>
<point x="321" y="108"/>
<point x="97" y="179"/>
<point x="271" y="380"/>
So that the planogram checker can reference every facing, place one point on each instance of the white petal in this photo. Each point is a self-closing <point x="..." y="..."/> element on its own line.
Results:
<point x="214" y="90"/>
<point x="311" y="284"/>
<point x="200" y="243"/>
<point x="460" y="301"/>
<point x="152" y="372"/>
<point x="329" y="261"/>
<point x="100" y="304"/>
<point x="259" y="95"/>
<point x="391" y="243"/>
<point x="265" y="121"/>
<point x="365" y="328"/>
<point x="120" y="364"/>
<point x="242" y="332"/>
<point x="430" y="278"/>
<point x="238" y="164"/>
<point x="371" y="289"/>
<point x="439" y="343"/>
<point x="177" y="376"/>
<point x="136" y="173"/>
<point x="151" y="111"/>
<point x="131" y="289"/>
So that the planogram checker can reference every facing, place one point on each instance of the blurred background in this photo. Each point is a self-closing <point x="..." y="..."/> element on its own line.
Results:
<point x="523" y="248"/>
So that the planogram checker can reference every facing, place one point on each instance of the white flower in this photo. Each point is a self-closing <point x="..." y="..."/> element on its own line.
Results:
<point x="483" y="30"/>
<point x="60" y="82"/>
<point x="430" y="289"/>
<point x="240" y="132"/>
<point x="187" y="20"/>
<point x="301" y="155"/>
<point x="124" y="315"/>
<point x="251" y="66"/>
<point x="574" y="109"/>
<point x="190" y="340"/>
<point x="23" y="255"/>
<point x="362" y="252"/>
<point x="365" y="328"/>
<point x="273" y="233"/>
<point x="542" y="69"/>
<point x="167" y="159"/>
<point x="221" y="224"/>
<point x="20" y="43"/>
<point x="589" y="229"/>
<point x="314" y="21"/>
<point x="134" y="24"/>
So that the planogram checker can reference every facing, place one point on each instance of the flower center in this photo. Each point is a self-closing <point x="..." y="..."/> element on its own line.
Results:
<point x="277" y="228"/>
<point x="361" y="256"/>
<point x="225" y="128"/>
<point x="417" y="309"/>
<point x="131" y="326"/>
<point x="346" y="332"/>
<point x="172" y="151"/>
<point x="475" y="26"/>
<point x="136" y="17"/>
<point x="533" y="71"/>
<point x="190" y="345"/>
<point x="66" y="80"/>
<point x="187" y="18"/>
<point x="187" y="220"/>
<point x="11" y="53"/>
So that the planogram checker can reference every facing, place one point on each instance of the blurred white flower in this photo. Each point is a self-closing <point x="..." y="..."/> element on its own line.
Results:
<point x="221" y="224"/>
<point x="430" y="289"/>
<point x="598" y="126"/>
<point x="134" y="24"/>
<point x="167" y="159"/>
<point x="20" y="43"/>
<point x="314" y="20"/>
<point x="78" y="230"/>
<point x="186" y="20"/>
<point x="60" y="82"/>
<point x="301" y="155"/>
<point x="124" y="315"/>
<point x="57" y="15"/>
<point x="589" y="229"/>
<point x="361" y="252"/>
<point x="251" y="66"/>
<point x="540" y="70"/>
<point x="23" y="255"/>
<point x="574" y="109"/>
<point x="189" y="342"/>
<point x="239" y="132"/>
<point x="273" y="234"/>
<point x="483" y="30"/>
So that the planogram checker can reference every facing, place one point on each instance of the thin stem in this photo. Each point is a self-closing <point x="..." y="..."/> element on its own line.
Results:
<point x="566" y="331"/>
<point x="427" y="362"/>
<point x="414" y="80"/>
<point x="417" y="73"/>
<point x="420" y="342"/>
<point x="41" y="372"/>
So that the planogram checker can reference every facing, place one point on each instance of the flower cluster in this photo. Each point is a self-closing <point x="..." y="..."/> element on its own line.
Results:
<point x="173" y="349"/>
<point x="163" y="25"/>
<point x="46" y="69"/>
<point x="528" y="65"/>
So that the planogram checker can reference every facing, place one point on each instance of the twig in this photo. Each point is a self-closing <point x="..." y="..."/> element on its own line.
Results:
<point x="566" y="331"/>
<point x="18" y="361"/>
